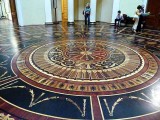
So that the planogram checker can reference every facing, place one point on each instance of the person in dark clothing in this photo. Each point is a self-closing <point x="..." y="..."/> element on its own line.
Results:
<point x="141" y="18"/>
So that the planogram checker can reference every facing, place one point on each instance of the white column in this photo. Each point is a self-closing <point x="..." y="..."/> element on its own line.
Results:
<point x="93" y="4"/>
<point x="48" y="11"/>
<point x="70" y="11"/>
<point x="115" y="9"/>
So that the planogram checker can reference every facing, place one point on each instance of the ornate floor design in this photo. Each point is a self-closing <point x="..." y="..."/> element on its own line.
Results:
<point x="79" y="72"/>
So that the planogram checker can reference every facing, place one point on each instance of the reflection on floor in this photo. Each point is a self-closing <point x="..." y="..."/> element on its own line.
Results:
<point x="79" y="72"/>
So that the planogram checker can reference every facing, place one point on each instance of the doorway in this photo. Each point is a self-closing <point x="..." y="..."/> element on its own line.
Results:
<point x="64" y="10"/>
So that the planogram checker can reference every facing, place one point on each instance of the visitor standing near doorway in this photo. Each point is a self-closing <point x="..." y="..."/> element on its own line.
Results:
<point x="86" y="13"/>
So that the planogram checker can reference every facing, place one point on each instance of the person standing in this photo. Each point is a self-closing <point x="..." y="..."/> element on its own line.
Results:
<point x="87" y="13"/>
<point x="141" y="19"/>
<point x="136" y="18"/>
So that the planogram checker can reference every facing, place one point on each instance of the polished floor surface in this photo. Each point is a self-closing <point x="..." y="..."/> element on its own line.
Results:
<point x="79" y="72"/>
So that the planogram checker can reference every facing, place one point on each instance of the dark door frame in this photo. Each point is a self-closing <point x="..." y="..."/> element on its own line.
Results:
<point x="13" y="12"/>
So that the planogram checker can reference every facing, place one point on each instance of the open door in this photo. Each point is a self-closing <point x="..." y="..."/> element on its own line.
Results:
<point x="64" y="10"/>
<point x="13" y="12"/>
<point x="153" y="21"/>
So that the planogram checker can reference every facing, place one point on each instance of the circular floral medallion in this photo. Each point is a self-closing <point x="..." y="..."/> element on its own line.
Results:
<point x="86" y="66"/>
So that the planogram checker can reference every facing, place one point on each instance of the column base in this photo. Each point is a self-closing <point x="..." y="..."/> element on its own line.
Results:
<point x="70" y="23"/>
<point x="92" y="23"/>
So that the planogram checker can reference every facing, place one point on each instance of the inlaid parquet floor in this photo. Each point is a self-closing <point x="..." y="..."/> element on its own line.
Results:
<point x="79" y="72"/>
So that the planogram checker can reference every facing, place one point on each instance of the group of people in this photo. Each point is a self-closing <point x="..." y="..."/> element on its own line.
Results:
<point x="138" y="18"/>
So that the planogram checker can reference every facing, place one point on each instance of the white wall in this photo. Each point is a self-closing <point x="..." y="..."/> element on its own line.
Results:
<point x="30" y="12"/>
<point x="19" y="12"/>
<point x="34" y="12"/>
<point x="59" y="10"/>
<point x="98" y="10"/>
<point x="79" y="6"/>
<point x="116" y="7"/>
<point x="129" y="6"/>
<point x="48" y="11"/>
<point x="76" y="10"/>
<point x="106" y="11"/>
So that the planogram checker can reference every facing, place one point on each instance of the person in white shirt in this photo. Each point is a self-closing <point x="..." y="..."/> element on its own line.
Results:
<point x="136" y="18"/>
<point x="118" y="19"/>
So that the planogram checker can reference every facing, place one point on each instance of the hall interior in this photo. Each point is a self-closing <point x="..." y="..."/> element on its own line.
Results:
<point x="62" y="69"/>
